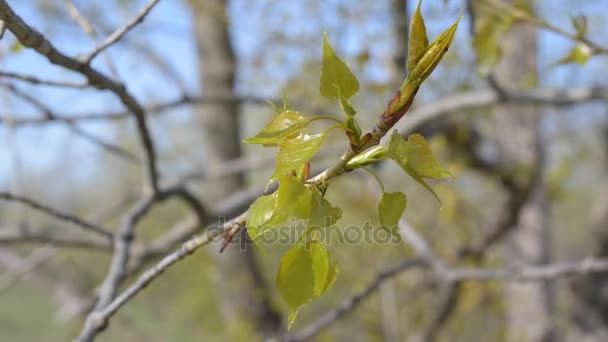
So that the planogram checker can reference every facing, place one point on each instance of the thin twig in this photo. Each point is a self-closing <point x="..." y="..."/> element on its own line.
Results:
<point x="119" y="33"/>
<point x="113" y="149"/>
<point x="31" y="38"/>
<point x="56" y="213"/>
<point x="36" y="80"/>
<point x="351" y="303"/>
<point x="90" y="31"/>
<point x="516" y="274"/>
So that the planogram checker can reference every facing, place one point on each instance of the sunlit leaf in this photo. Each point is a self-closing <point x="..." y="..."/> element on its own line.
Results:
<point x="416" y="158"/>
<point x="284" y="125"/>
<point x="332" y="274"/>
<point x="347" y="108"/>
<point x="293" y="198"/>
<point x="296" y="151"/>
<point x="259" y="213"/>
<point x="335" y="73"/>
<point x="421" y="159"/>
<point x="418" y="41"/>
<point x="368" y="157"/>
<point x="579" y="54"/>
<point x="322" y="214"/>
<point x="432" y="56"/>
<point x="305" y="272"/>
<point x="390" y="210"/>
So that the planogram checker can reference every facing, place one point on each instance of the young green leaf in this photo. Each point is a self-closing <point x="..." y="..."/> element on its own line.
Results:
<point x="283" y="126"/>
<point x="418" y="41"/>
<point x="579" y="54"/>
<point x="416" y="158"/>
<point x="368" y="157"/>
<point x="354" y="130"/>
<point x="260" y="212"/>
<point x="347" y="108"/>
<point x="294" y="198"/>
<point x="431" y="57"/>
<point x="305" y="272"/>
<point x="390" y="210"/>
<point x="335" y="73"/>
<point x="580" y="23"/>
<point x="322" y="213"/>
<point x="296" y="151"/>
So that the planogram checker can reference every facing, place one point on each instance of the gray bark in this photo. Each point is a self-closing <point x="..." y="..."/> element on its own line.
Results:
<point x="244" y="296"/>
<point x="530" y="305"/>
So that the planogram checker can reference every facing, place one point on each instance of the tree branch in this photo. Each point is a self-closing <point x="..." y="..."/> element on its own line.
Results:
<point x="119" y="33"/>
<point x="31" y="38"/>
<point x="56" y="213"/>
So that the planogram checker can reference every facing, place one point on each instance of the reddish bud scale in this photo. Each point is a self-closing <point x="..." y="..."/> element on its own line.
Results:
<point x="392" y="114"/>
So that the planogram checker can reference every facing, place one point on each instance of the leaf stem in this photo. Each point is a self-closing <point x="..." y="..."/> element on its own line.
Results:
<point x="317" y="118"/>
<point x="375" y="175"/>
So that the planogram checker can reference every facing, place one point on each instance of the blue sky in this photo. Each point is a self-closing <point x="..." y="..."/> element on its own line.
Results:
<point x="299" y="24"/>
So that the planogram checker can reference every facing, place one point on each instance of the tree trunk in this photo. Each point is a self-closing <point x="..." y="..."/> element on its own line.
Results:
<point x="245" y="303"/>
<point x="530" y="305"/>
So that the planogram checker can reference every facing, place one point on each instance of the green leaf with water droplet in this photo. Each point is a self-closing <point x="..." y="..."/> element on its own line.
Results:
<point x="418" y="41"/>
<point x="296" y="151"/>
<point x="282" y="126"/>
<point x="260" y="215"/>
<point x="335" y="73"/>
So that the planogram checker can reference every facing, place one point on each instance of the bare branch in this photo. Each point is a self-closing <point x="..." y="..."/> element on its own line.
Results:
<point x="113" y="149"/>
<point x="98" y="319"/>
<point x="152" y="109"/>
<point x="515" y="274"/>
<point x="351" y="303"/>
<point x="119" y="33"/>
<point x="36" y="80"/>
<point x="56" y="213"/>
<point x="89" y="30"/>
<point x="24" y="267"/>
<point x="31" y="38"/>
<point x="15" y="236"/>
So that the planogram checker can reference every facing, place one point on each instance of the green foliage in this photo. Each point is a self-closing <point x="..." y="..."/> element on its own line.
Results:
<point x="579" y="54"/>
<point x="284" y="125"/>
<point x="296" y="151"/>
<point x="416" y="158"/>
<point x="305" y="272"/>
<point x="418" y="41"/>
<point x="390" y="209"/>
<point x="335" y="75"/>
<point x="422" y="62"/>
<point x="489" y="27"/>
